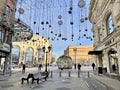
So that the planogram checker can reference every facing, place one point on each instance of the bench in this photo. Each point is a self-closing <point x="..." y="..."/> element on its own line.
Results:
<point x="36" y="77"/>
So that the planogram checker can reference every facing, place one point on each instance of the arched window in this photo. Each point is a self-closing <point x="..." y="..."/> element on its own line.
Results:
<point x="109" y="24"/>
<point x="15" y="54"/>
<point x="29" y="55"/>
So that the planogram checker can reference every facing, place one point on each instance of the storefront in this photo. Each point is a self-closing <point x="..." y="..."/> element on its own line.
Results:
<point x="5" y="48"/>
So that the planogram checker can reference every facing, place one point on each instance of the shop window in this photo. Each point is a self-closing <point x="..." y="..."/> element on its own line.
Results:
<point x="113" y="61"/>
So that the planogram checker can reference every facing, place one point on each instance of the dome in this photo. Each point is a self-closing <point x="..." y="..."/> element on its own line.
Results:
<point x="64" y="62"/>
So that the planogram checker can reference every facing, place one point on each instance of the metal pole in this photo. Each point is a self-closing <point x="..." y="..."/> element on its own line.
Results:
<point x="46" y="63"/>
<point x="78" y="74"/>
<point x="88" y="74"/>
<point x="69" y="74"/>
<point x="60" y="73"/>
<point x="51" y="74"/>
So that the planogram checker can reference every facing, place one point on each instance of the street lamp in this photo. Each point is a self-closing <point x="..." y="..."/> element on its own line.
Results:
<point x="75" y="50"/>
<point x="46" y="51"/>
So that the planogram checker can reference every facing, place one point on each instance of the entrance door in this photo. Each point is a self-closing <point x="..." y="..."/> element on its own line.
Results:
<point x="113" y="61"/>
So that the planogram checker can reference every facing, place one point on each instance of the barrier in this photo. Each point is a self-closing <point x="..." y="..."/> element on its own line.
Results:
<point x="78" y="74"/>
<point x="69" y="74"/>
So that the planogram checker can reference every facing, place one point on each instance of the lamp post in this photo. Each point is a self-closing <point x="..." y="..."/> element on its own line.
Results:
<point x="46" y="51"/>
<point x="75" y="50"/>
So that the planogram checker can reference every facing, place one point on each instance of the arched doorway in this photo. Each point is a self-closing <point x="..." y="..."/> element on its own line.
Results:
<point x="29" y="57"/>
<point x="113" y="61"/>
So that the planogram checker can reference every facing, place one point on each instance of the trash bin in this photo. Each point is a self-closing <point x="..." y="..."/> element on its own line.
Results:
<point x="100" y="71"/>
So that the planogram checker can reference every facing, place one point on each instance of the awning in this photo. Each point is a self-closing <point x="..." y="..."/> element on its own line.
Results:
<point x="95" y="52"/>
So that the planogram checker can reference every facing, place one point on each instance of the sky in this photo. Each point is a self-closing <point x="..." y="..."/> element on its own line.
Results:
<point x="57" y="19"/>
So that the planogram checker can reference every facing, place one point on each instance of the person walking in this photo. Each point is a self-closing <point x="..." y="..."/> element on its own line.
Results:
<point x="79" y="67"/>
<point x="93" y="65"/>
<point x="23" y="70"/>
<point x="40" y="66"/>
<point x="75" y="66"/>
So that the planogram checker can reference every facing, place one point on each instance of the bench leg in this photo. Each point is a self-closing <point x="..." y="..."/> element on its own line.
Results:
<point x="22" y="80"/>
<point x="38" y="81"/>
<point x="28" y="81"/>
<point x="32" y="81"/>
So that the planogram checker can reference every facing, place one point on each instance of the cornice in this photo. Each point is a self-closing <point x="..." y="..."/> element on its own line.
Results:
<point x="110" y="39"/>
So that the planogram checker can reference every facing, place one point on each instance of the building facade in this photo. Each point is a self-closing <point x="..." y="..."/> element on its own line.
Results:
<point x="105" y="18"/>
<point x="7" y="13"/>
<point x="79" y="54"/>
<point x="30" y="52"/>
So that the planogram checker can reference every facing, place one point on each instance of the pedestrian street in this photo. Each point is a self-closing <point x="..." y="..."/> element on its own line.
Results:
<point x="68" y="80"/>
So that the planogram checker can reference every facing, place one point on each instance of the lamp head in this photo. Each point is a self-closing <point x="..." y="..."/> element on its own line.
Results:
<point x="49" y="48"/>
<point x="43" y="49"/>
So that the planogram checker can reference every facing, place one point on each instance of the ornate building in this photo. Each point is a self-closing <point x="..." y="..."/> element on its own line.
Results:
<point x="105" y="18"/>
<point x="30" y="52"/>
<point x="79" y="54"/>
<point x="7" y="13"/>
<point x="11" y="29"/>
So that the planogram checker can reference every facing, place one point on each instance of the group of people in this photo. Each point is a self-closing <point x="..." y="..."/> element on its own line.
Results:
<point x="40" y="66"/>
<point x="79" y="66"/>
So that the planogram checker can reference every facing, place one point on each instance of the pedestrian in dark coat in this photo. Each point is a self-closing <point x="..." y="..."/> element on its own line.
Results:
<point x="23" y="71"/>
<point x="79" y="67"/>
<point x="40" y="66"/>
<point x="93" y="65"/>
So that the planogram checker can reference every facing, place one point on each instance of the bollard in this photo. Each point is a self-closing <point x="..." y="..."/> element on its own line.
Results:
<point x="51" y="74"/>
<point x="88" y="74"/>
<point x="69" y="74"/>
<point x="60" y="73"/>
<point x="78" y="74"/>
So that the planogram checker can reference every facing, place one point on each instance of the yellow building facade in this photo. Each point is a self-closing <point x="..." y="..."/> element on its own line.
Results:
<point x="79" y="54"/>
<point x="31" y="52"/>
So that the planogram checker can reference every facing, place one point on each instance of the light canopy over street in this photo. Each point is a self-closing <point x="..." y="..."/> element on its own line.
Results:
<point x="63" y="22"/>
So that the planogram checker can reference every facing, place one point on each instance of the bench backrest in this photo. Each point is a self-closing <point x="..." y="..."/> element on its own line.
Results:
<point x="30" y="76"/>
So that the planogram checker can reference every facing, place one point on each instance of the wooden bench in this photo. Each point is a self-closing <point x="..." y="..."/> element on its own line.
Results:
<point x="36" y="77"/>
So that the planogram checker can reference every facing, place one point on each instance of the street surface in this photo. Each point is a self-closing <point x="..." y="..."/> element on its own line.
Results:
<point x="66" y="82"/>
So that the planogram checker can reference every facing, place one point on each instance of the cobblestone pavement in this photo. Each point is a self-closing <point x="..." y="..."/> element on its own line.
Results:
<point x="65" y="82"/>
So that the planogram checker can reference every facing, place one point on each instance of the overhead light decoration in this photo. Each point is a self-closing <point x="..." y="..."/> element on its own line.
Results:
<point x="59" y="17"/>
<point x="60" y="22"/>
<point x="81" y="3"/>
<point x="82" y="20"/>
<point x="21" y="10"/>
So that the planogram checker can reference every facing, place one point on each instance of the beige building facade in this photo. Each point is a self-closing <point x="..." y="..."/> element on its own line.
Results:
<point x="30" y="52"/>
<point x="79" y="54"/>
<point x="105" y="18"/>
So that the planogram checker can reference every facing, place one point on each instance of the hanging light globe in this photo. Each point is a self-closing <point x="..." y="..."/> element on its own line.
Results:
<point x="70" y="12"/>
<point x="71" y="23"/>
<point x="50" y="26"/>
<point x="81" y="3"/>
<point x="21" y="10"/>
<point x="82" y="20"/>
<point x="60" y="22"/>
<point x="42" y="22"/>
<point x="59" y="17"/>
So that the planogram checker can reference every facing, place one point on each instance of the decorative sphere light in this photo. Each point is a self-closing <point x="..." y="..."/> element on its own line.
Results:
<point x="81" y="3"/>
<point x="21" y="10"/>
